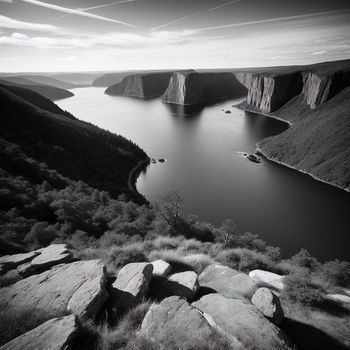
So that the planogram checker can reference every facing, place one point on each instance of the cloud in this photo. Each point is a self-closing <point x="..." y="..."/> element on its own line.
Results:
<point x="195" y="14"/>
<point x="74" y="12"/>
<point x="271" y="20"/>
<point x="114" y="39"/>
<point x="7" y="22"/>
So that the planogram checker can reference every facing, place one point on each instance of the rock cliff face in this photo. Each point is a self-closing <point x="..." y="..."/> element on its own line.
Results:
<point x="141" y="85"/>
<point x="270" y="92"/>
<point x="318" y="89"/>
<point x="185" y="88"/>
<point x="193" y="88"/>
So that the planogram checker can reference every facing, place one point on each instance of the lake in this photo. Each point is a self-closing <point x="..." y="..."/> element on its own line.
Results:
<point x="203" y="161"/>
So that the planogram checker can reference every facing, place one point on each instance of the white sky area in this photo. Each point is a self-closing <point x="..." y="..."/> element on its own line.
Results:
<point x="77" y="35"/>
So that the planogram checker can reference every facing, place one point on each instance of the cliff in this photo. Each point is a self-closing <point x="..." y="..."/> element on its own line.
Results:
<point x="270" y="89"/>
<point x="185" y="88"/>
<point x="141" y="85"/>
<point x="191" y="88"/>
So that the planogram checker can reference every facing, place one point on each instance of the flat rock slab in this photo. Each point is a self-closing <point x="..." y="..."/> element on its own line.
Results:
<point x="184" y="284"/>
<point x="267" y="279"/>
<point x="55" y="334"/>
<point x="339" y="298"/>
<point x="51" y="255"/>
<point x="176" y="324"/>
<point x="132" y="283"/>
<point x="228" y="282"/>
<point x="243" y="323"/>
<point x="8" y="262"/>
<point x="269" y="305"/>
<point x="161" y="268"/>
<point x="79" y="285"/>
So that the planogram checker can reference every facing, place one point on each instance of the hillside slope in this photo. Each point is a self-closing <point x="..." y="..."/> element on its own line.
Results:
<point x="76" y="149"/>
<point x="51" y="92"/>
<point x="318" y="143"/>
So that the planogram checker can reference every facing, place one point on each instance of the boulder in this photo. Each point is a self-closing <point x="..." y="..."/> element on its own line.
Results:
<point x="55" y="334"/>
<point x="242" y="323"/>
<point x="174" y="323"/>
<point x="267" y="279"/>
<point x="269" y="305"/>
<point x="161" y="268"/>
<point x="8" y="262"/>
<point x="133" y="280"/>
<point x="77" y="287"/>
<point x="226" y="281"/>
<point x="184" y="284"/>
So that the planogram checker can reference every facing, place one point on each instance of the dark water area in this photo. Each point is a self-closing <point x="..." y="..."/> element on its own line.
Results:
<point x="202" y="148"/>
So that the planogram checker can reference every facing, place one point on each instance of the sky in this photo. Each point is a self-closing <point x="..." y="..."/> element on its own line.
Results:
<point x="102" y="35"/>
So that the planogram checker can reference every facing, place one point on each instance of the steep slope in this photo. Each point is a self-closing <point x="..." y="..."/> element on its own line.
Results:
<point x="318" y="143"/>
<point x="50" y="92"/>
<point x="141" y="85"/>
<point x="74" y="148"/>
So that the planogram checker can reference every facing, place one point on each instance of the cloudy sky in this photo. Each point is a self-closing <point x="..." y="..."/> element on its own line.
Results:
<point x="77" y="35"/>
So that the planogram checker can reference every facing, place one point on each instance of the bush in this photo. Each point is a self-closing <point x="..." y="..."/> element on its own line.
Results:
<point x="336" y="273"/>
<point x="300" y="289"/>
<point x="304" y="259"/>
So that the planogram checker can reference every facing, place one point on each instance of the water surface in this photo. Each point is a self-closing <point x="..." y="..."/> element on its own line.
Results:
<point x="202" y="146"/>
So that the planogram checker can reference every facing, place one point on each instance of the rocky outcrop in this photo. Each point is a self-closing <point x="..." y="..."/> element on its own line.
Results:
<point x="193" y="88"/>
<point x="55" y="334"/>
<point x="242" y="323"/>
<point x="267" y="279"/>
<point x="9" y="262"/>
<point x="176" y="324"/>
<point x="269" y="92"/>
<point x="185" y="88"/>
<point x="141" y="85"/>
<point x="77" y="287"/>
<point x="269" y="305"/>
<point x="228" y="282"/>
<point x="132" y="283"/>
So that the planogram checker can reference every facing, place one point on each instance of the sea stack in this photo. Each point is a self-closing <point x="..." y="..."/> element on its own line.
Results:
<point x="185" y="88"/>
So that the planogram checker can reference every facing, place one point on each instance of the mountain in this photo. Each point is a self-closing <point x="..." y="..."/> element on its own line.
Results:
<point x="76" y="149"/>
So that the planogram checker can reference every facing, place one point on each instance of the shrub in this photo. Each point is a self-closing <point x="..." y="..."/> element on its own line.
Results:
<point x="336" y="273"/>
<point x="304" y="259"/>
<point x="300" y="289"/>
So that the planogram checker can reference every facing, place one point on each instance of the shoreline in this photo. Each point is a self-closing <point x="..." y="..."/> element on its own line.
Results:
<point x="134" y="174"/>
<point x="243" y="106"/>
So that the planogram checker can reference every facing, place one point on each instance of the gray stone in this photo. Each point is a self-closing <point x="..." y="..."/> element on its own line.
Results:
<point x="55" y="334"/>
<point x="175" y="323"/>
<point x="8" y="262"/>
<point x="161" y="268"/>
<point x="243" y="323"/>
<point x="184" y="284"/>
<point x="269" y="305"/>
<point x="133" y="279"/>
<point x="51" y="255"/>
<point x="267" y="279"/>
<point x="52" y="291"/>
<point x="339" y="298"/>
<point x="228" y="282"/>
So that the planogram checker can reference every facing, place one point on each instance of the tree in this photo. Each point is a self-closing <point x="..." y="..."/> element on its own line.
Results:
<point x="169" y="207"/>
